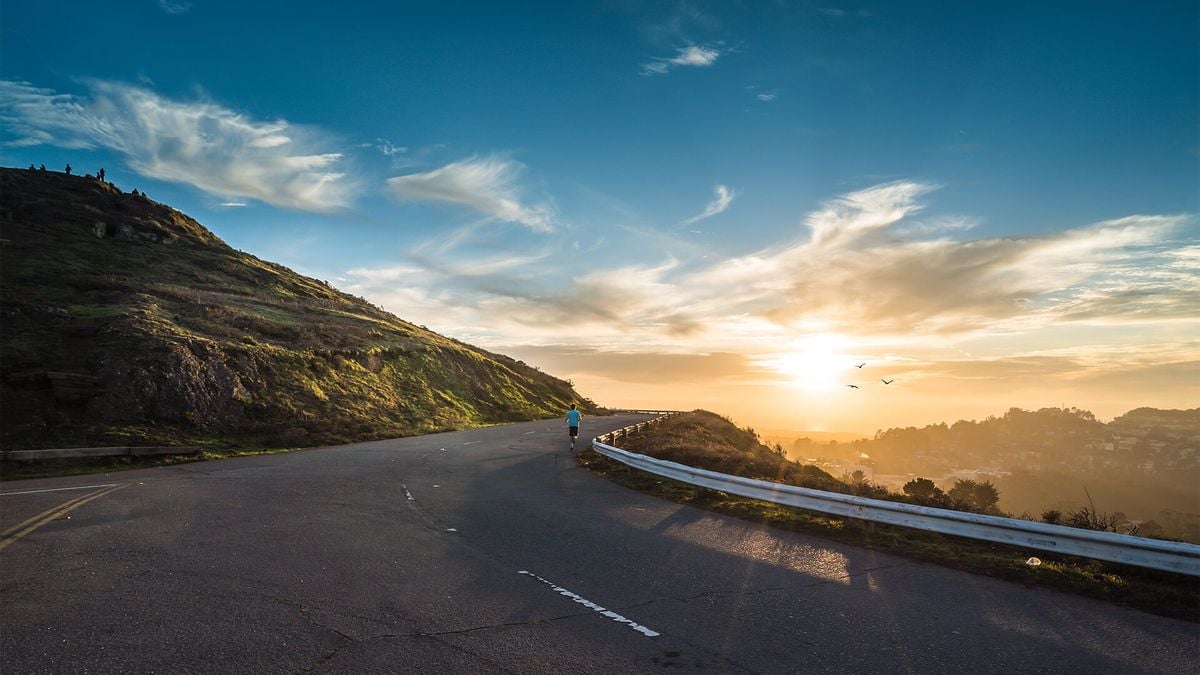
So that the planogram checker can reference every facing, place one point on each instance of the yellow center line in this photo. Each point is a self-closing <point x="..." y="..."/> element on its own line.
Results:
<point x="14" y="533"/>
<point x="43" y="514"/>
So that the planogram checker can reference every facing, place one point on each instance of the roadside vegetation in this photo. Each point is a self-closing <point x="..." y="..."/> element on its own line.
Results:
<point x="705" y="440"/>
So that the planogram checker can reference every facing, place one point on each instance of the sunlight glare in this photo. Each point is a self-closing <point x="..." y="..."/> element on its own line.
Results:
<point x="815" y="364"/>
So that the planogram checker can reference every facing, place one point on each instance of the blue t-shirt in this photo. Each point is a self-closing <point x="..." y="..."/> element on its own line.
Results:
<point x="573" y="418"/>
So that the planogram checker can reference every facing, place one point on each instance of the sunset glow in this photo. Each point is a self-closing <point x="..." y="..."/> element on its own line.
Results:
<point x="687" y="205"/>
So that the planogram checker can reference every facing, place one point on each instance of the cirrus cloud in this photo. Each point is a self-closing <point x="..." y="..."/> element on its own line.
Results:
<point x="198" y="143"/>
<point x="722" y="198"/>
<point x="693" y="56"/>
<point x="488" y="185"/>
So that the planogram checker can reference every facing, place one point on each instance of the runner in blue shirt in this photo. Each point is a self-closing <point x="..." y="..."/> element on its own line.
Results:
<point x="573" y="417"/>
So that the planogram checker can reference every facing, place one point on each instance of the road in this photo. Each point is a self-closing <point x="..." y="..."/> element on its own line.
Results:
<point x="492" y="551"/>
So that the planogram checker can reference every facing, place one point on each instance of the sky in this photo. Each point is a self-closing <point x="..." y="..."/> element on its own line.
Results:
<point x="728" y="205"/>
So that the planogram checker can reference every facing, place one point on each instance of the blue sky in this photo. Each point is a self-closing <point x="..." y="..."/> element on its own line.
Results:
<point x="643" y="196"/>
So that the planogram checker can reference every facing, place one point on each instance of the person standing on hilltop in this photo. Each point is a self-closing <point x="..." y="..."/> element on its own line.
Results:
<point x="573" y="417"/>
<point x="101" y="174"/>
<point x="68" y="169"/>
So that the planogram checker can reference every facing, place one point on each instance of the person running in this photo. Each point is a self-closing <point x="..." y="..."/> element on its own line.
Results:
<point x="573" y="417"/>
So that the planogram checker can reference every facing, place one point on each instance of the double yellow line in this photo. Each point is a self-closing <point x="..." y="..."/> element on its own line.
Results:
<point x="19" y="530"/>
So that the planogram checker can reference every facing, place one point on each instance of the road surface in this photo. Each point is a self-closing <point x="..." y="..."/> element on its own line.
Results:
<point x="492" y="551"/>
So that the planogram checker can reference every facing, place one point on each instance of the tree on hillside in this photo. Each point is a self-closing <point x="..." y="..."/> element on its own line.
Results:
<point x="921" y="488"/>
<point x="987" y="497"/>
<point x="971" y="495"/>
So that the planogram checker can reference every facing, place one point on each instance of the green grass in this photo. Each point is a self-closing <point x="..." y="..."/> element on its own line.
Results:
<point x="704" y="435"/>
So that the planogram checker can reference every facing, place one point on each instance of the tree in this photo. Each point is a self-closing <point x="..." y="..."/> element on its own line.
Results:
<point x="970" y="495"/>
<point x="921" y="488"/>
<point x="986" y="497"/>
<point x="963" y="494"/>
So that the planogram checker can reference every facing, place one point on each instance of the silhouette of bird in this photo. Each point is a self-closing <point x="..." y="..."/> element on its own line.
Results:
<point x="852" y="386"/>
<point x="887" y="381"/>
<point x="861" y="364"/>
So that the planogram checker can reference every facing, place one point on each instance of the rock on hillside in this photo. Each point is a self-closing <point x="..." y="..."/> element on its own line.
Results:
<point x="126" y="322"/>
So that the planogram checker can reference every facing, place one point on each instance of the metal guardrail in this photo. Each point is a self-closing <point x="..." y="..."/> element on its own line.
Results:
<point x="1156" y="554"/>
<point x="116" y="451"/>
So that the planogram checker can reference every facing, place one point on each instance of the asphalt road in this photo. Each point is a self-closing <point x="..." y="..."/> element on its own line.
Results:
<point x="492" y="551"/>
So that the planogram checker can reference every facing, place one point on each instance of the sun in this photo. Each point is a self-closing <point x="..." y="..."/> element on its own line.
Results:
<point x="815" y="364"/>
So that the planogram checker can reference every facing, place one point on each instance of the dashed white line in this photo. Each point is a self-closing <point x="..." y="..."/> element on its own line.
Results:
<point x="593" y="606"/>
<point x="472" y="442"/>
<point x="528" y="432"/>
<point x="407" y="494"/>
<point x="81" y="487"/>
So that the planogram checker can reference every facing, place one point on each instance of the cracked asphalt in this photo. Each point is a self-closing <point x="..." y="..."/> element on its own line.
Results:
<point x="317" y="561"/>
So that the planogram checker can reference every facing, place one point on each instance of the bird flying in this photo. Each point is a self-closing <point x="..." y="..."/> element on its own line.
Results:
<point x="886" y="381"/>
<point x="861" y="364"/>
<point x="852" y="386"/>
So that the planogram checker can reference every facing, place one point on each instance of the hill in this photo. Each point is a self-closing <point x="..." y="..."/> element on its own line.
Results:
<point x="709" y="441"/>
<point x="125" y="321"/>
<point x="1143" y="467"/>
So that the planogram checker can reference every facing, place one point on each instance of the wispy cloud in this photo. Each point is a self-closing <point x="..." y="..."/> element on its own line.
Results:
<point x="198" y="143"/>
<point x="389" y="149"/>
<point x="859" y="269"/>
<point x="174" y="6"/>
<point x="722" y="199"/>
<point x="693" y="55"/>
<point x="839" y="13"/>
<point x="767" y="96"/>
<point x="488" y="185"/>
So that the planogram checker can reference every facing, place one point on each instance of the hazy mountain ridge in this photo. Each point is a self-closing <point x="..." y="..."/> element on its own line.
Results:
<point x="125" y="321"/>
<point x="1145" y="439"/>
<point x="1143" y="465"/>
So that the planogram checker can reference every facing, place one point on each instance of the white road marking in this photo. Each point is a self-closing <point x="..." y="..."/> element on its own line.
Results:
<point x="472" y="442"/>
<point x="81" y="487"/>
<point x="451" y="529"/>
<point x="528" y="432"/>
<point x="407" y="494"/>
<point x="593" y="606"/>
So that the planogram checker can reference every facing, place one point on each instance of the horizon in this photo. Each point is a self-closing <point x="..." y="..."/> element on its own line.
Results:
<point x="695" y="205"/>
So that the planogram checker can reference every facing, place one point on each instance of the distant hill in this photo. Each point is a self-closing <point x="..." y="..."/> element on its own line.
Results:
<point x="786" y="437"/>
<point x="1143" y="466"/>
<point x="124" y="321"/>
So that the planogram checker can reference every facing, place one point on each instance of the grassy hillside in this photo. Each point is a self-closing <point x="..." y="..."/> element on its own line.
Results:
<point x="126" y="322"/>
<point x="706" y="440"/>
